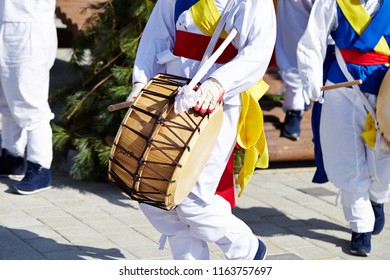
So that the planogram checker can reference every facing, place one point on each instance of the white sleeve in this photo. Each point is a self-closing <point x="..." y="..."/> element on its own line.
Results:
<point x="255" y="22"/>
<point x="157" y="36"/>
<point x="311" y="50"/>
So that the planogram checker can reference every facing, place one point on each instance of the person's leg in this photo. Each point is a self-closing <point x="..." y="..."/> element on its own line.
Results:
<point x="344" y="154"/>
<point x="13" y="144"/>
<point x="182" y="244"/>
<point x="379" y="191"/>
<point x="26" y="90"/>
<point x="293" y="104"/>
<point x="359" y="212"/>
<point x="215" y="223"/>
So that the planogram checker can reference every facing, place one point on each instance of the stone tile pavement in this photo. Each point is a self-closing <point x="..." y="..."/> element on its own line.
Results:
<point x="76" y="220"/>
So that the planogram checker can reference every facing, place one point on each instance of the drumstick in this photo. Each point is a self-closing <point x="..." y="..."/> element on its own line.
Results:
<point x="340" y="85"/>
<point x="118" y="106"/>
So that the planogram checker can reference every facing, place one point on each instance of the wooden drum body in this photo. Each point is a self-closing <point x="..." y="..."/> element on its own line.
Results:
<point x="157" y="156"/>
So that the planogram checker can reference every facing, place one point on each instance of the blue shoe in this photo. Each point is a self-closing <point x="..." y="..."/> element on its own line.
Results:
<point x="307" y="106"/>
<point x="11" y="166"/>
<point x="361" y="244"/>
<point x="292" y="124"/>
<point x="36" y="179"/>
<point x="379" y="217"/>
<point x="261" y="251"/>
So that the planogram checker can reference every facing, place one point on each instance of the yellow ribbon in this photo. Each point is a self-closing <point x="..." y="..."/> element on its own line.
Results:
<point x="250" y="130"/>
<point x="251" y="134"/>
<point x="369" y="132"/>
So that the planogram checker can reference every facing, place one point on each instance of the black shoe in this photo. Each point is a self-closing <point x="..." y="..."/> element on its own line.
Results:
<point x="292" y="124"/>
<point x="379" y="217"/>
<point x="361" y="244"/>
<point x="262" y="251"/>
<point x="11" y="166"/>
<point x="36" y="179"/>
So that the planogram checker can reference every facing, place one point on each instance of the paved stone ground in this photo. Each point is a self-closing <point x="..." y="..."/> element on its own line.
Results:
<point x="298" y="220"/>
<point x="77" y="220"/>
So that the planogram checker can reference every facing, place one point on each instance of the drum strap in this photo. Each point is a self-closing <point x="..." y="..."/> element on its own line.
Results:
<point x="371" y="133"/>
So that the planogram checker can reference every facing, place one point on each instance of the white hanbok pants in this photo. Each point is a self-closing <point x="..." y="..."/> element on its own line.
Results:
<point x="348" y="160"/>
<point x="204" y="217"/>
<point x="27" y="53"/>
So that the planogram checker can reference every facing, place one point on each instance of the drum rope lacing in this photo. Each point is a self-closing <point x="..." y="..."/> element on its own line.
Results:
<point x="160" y="122"/>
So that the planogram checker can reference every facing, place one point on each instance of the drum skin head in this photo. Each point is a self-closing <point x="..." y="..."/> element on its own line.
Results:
<point x="383" y="106"/>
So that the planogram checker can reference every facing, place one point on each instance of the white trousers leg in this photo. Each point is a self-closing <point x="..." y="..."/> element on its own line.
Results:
<point x="13" y="137"/>
<point x="293" y="97"/>
<point x="40" y="145"/>
<point x="28" y="53"/>
<point x="193" y="224"/>
<point x="358" y="211"/>
<point x="204" y="217"/>
<point x="345" y="157"/>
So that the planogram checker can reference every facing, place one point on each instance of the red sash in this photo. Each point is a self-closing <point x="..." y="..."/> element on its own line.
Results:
<point x="364" y="58"/>
<point x="193" y="46"/>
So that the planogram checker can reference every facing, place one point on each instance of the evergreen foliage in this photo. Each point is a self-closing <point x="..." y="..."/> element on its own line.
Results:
<point x="103" y="56"/>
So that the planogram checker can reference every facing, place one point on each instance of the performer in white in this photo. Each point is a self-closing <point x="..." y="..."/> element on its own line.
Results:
<point x="353" y="162"/>
<point x="291" y="17"/>
<point x="28" y="48"/>
<point x="203" y="216"/>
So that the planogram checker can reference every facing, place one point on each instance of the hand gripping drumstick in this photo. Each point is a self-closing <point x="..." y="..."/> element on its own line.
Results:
<point x="340" y="85"/>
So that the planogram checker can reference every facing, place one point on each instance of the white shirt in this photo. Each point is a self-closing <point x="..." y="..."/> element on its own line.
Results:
<point x="312" y="47"/>
<point x="256" y="25"/>
<point x="27" y="10"/>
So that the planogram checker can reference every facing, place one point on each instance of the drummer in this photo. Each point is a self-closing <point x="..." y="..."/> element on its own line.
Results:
<point x="174" y="30"/>
<point x="361" y="31"/>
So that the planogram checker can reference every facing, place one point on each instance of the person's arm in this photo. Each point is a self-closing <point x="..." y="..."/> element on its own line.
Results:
<point x="256" y="24"/>
<point x="157" y="36"/>
<point x="311" y="50"/>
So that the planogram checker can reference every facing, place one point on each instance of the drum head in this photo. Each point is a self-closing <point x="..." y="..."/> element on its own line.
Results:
<point x="194" y="161"/>
<point x="383" y="106"/>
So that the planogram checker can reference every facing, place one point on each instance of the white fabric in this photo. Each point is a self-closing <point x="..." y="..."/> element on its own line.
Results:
<point x="210" y="93"/>
<point x="13" y="137"/>
<point x="348" y="162"/>
<point x="378" y="157"/>
<point x="358" y="211"/>
<point x="193" y="223"/>
<point x="311" y="50"/>
<point x="292" y="18"/>
<point x="27" y="53"/>
<point x="255" y="20"/>
<point x="185" y="99"/>
<point x="27" y="10"/>
<point x="217" y="33"/>
<point x="137" y="87"/>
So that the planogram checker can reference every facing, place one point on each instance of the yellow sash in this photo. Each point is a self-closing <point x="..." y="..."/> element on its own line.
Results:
<point x="251" y="136"/>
